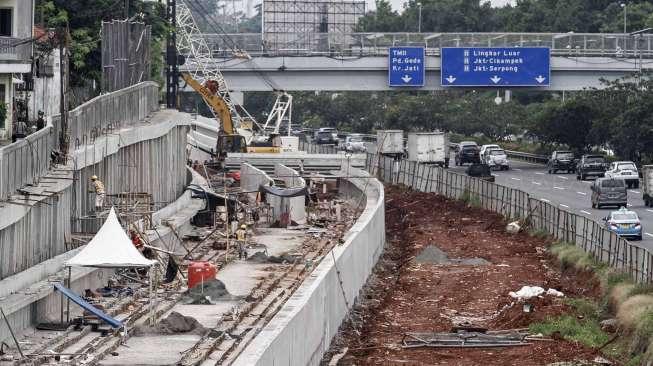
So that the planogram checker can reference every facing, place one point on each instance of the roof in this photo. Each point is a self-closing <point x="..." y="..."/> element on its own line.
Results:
<point x="110" y="248"/>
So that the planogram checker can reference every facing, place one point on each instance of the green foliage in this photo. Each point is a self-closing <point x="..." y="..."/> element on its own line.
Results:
<point x="585" y="331"/>
<point x="585" y="307"/>
<point x="470" y="198"/>
<point x="571" y="256"/>
<point x="84" y="22"/>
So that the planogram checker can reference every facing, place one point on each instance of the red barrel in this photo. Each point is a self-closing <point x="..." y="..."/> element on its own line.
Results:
<point x="200" y="271"/>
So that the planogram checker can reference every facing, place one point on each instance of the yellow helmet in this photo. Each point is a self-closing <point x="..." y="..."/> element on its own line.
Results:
<point x="243" y="226"/>
<point x="94" y="177"/>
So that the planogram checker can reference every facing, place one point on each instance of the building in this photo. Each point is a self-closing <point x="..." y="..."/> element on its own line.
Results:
<point x="16" y="23"/>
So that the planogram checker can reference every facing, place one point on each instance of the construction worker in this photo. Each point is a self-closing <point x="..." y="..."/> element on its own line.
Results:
<point x="98" y="189"/>
<point x="241" y="238"/>
<point x="40" y="122"/>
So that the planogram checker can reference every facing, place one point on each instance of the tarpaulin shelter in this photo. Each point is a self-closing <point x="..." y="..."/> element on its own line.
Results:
<point x="111" y="248"/>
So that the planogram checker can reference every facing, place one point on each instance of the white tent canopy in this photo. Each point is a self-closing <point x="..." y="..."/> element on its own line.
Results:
<point x="110" y="248"/>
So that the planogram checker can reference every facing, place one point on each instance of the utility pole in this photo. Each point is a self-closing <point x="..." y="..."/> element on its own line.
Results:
<point x="172" y="69"/>
<point x="419" y="21"/>
<point x="64" y="139"/>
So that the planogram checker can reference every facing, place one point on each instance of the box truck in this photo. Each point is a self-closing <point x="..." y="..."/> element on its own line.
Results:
<point x="390" y="142"/>
<point x="429" y="148"/>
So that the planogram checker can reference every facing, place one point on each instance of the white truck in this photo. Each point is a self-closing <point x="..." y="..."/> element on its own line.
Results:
<point x="647" y="185"/>
<point x="429" y="147"/>
<point x="390" y="142"/>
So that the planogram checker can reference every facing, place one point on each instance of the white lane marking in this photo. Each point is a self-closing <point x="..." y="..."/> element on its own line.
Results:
<point x="634" y="191"/>
<point x="649" y="210"/>
<point x="539" y="173"/>
<point x="513" y="178"/>
<point x="582" y="193"/>
<point x="516" y="169"/>
<point x="560" y="188"/>
<point x="628" y="205"/>
<point x="649" y="234"/>
<point x="585" y="212"/>
<point x="545" y="200"/>
<point x="497" y="175"/>
<point x="561" y="177"/>
<point x="534" y="182"/>
<point x="586" y="182"/>
<point x="565" y="206"/>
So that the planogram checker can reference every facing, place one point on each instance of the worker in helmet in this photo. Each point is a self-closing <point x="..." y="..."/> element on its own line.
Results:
<point x="241" y="238"/>
<point x="98" y="189"/>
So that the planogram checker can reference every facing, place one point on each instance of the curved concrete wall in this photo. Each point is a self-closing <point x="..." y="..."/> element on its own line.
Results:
<point x="302" y="330"/>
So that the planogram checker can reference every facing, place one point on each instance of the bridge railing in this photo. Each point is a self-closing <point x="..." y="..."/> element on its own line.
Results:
<point x="563" y="225"/>
<point x="377" y="44"/>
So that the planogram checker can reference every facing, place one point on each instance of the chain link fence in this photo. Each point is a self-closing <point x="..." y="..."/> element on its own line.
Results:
<point x="563" y="225"/>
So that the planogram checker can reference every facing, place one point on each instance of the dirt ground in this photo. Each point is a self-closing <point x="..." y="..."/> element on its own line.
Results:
<point x="414" y="290"/>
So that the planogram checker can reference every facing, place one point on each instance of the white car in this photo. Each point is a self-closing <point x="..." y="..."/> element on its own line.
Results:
<point x="625" y="170"/>
<point x="485" y="148"/>
<point x="496" y="158"/>
<point x="355" y="143"/>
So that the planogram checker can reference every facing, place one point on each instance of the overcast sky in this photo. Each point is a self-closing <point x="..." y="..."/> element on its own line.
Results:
<point x="398" y="4"/>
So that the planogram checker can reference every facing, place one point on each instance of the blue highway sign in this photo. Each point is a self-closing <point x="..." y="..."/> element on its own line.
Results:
<point x="406" y="66"/>
<point x="498" y="67"/>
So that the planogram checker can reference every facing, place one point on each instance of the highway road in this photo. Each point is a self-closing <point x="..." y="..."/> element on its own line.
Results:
<point x="569" y="193"/>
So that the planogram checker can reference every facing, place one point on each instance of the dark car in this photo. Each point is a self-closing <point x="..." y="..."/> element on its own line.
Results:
<point x="481" y="171"/>
<point x="591" y="166"/>
<point x="467" y="153"/>
<point x="609" y="192"/>
<point x="325" y="137"/>
<point x="561" y="160"/>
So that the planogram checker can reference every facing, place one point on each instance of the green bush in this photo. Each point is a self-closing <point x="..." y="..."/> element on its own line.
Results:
<point x="585" y="331"/>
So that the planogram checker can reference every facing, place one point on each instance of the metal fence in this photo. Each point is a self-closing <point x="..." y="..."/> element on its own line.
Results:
<point x="377" y="44"/>
<point x="512" y="203"/>
<point x="125" y="54"/>
<point x="25" y="161"/>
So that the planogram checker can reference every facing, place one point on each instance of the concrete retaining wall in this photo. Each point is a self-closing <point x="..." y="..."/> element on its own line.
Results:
<point x="252" y="178"/>
<point x="302" y="330"/>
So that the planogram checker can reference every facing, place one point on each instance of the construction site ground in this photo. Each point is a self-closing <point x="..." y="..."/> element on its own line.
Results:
<point x="416" y="289"/>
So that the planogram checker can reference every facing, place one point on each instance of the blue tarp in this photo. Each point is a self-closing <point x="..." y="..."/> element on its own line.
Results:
<point x="84" y="304"/>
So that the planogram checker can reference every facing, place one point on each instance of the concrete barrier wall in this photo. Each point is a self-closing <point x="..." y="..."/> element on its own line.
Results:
<point x="295" y="206"/>
<point x="300" y="333"/>
<point x="252" y="178"/>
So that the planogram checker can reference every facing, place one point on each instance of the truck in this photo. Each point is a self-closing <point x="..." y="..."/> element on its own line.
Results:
<point x="390" y="142"/>
<point x="647" y="185"/>
<point x="429" y="147"/>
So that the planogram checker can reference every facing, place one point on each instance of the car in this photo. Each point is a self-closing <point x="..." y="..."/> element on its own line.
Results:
<point x="496" y="158"/>
<point x="323" y="130"/>
<point x="355" y="143"/>
<point x="325" y="137"/>
<point x="481" y="171"/>
<point x="625" y="223"/>
<point x="591" y="165"/>
<point x="467" y="153"/>
<point x="626" y="170"/>
<point x="484" y="148"/>
<point x="609" y="192"/>
<point x="561" y="160"/>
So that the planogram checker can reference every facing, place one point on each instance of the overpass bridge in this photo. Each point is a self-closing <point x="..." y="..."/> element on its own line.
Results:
<point x="359" y="61"/>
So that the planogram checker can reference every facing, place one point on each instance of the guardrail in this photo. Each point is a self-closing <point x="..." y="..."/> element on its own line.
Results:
<point x="25" y="161"/>
<point x="377" y="44"/>
<point x="533" y="158"/>
<point x="563" y="225"/>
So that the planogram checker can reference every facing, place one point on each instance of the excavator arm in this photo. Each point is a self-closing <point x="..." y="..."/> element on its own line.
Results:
<point x="218" y="105"/>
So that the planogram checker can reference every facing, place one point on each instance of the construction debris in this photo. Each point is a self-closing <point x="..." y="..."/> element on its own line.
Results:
<point x="173" y="324"/>
<point x="207" y="292"/>
<point x="527" y="292"/>
<point x="463" y="340"/>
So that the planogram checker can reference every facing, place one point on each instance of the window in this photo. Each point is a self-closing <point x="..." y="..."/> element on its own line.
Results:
<point x="5" y="22"/>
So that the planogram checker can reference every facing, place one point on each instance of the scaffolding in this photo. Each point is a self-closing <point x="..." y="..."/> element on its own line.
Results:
<point x="308" y="25"/>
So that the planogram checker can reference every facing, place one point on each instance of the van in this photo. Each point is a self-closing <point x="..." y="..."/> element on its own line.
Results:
<point x="609" y="192"/>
